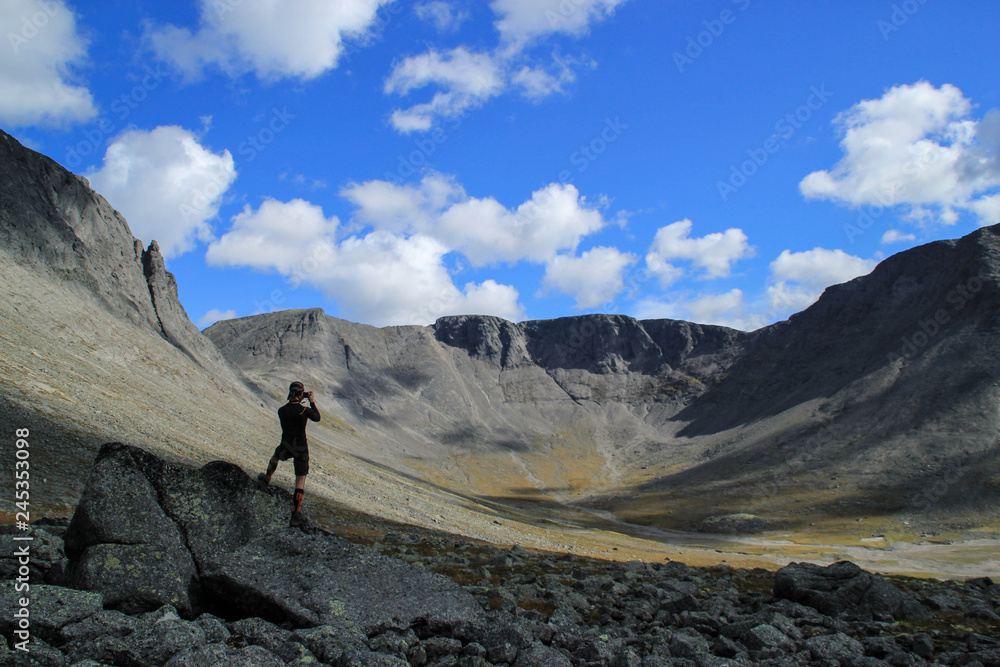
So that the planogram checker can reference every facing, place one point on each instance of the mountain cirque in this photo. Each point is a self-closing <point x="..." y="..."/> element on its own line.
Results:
<point x="878" y="403"/>
<point x="883" y="397"/>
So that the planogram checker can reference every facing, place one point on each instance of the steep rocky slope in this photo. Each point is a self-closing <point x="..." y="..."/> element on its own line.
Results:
<point x="96" y="343"/>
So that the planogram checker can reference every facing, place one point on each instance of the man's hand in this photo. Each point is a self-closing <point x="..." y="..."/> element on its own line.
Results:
<point x="309" y="395"/>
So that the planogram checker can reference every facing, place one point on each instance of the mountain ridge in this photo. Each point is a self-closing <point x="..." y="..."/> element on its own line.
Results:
<point x="585" y="425"/>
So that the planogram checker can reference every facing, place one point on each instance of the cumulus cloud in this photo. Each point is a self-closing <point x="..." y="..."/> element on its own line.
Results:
<point x="917" y="147"/>
<point x="592" y="279"/>
<point x="896" y="236"/>
<point x="799" y="278"/>
<point x="295" y="38"/>
<point x="213" y="316"/>
<point x="465" y="79"/>
<point x="715" y="253"/>
<point x="442" y="15"/>
<point x="38" y="85"/>
<point x="166" y="184"/>
<point x="537" y="83"/>
<point x="554" y="220"/>
<point x="396" y="207"/>
<point x="380" y="278"/>
<point x="728" y="309"/>
<point x="468" y="80"/>
<point x="520" y="21"/>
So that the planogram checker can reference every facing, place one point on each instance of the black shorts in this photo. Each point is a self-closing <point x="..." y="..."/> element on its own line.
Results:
<point x="299" y="456"/>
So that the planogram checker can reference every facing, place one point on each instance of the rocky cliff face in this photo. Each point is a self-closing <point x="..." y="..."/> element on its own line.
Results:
<point x="51" y="221"/>
<point x="96" y="345"/>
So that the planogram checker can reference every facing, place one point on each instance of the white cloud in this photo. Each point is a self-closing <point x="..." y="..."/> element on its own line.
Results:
<point x="443" y="15"/>
<point x="593" y="279"/>
<point x="520" y="21"/>
<point x="799" y="278"/>
<point x="397" y="208"/>
<point x="166" y="184"/>
<point x="468" y="80"/>
<point x="917" y="147"/>
<point x="292" y="238"/>
<point x="536" y="83"/>
<point x="37" y="82"/>
<point x="294" y="38"/>
<point x="715" y="253"/>
<point x="728" y="309"/>
<point x="896" y="236"/>
<point x="215" y="315"/>
<point x="380" y="278"/>
<point x="554" y="220"/>
<point x="988" y="209"/>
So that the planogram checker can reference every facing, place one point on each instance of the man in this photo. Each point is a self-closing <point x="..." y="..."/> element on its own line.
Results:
<point x="293" y="417"/>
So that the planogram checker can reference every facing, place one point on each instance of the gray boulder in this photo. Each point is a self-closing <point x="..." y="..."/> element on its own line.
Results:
<point x="540" y="655"/>
<point x="162" y="635"/>
<point x="143" y="525"/>
<point x="318" y="579"/>
<point x="46" y="562"/>
<point x="121" y="543"/>
<point x="221" y="655"/>
<point x="838" y="647"/>
<point x="51" y="608"/>
<point x="148" y="533"/>
<point x="844" y="588"/>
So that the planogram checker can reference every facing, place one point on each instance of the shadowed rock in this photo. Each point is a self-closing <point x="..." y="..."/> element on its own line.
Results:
<point x="317" y="579"/>
<point x="149" y="533"/>
<point x="844" y="588"/>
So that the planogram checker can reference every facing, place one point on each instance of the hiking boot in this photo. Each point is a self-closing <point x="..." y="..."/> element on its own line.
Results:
<point x="262" y="481"/>
<point x="299" y="520"/>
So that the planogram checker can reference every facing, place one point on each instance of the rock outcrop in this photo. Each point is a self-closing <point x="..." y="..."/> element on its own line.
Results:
<point x="149" y="533"/>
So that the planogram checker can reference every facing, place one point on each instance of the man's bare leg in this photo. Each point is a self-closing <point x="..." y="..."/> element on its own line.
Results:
<point x="264" y="478"/>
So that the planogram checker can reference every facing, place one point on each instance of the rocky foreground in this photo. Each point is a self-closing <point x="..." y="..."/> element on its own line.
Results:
<point x="165" y="565"/>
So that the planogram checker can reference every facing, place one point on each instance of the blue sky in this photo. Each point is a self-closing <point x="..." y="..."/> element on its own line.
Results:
<point x="720" y="161"/>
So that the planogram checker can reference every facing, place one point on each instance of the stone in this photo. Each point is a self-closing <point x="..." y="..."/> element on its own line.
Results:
<point x="539" y="655"/>
<point x="259" y="632"/>
<point x="51" y="608"/>
<point x="104" y="622"/>
<point x="161" y="635"/>
<point x="767" y="636"/>
<point x="837" y="647"/>
<point x="318" y="579"/>
<point x="121" y="543"/>
<point x="843" y="587"/>
<point x="329" y="643"/>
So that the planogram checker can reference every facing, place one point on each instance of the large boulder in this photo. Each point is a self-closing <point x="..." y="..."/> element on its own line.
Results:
<point x="121" y="543"/>
<point x="149" y="533"/>
<point x="844" y="588"/>
<point x="51" y="608"/>
<point x="312" y="579"/>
